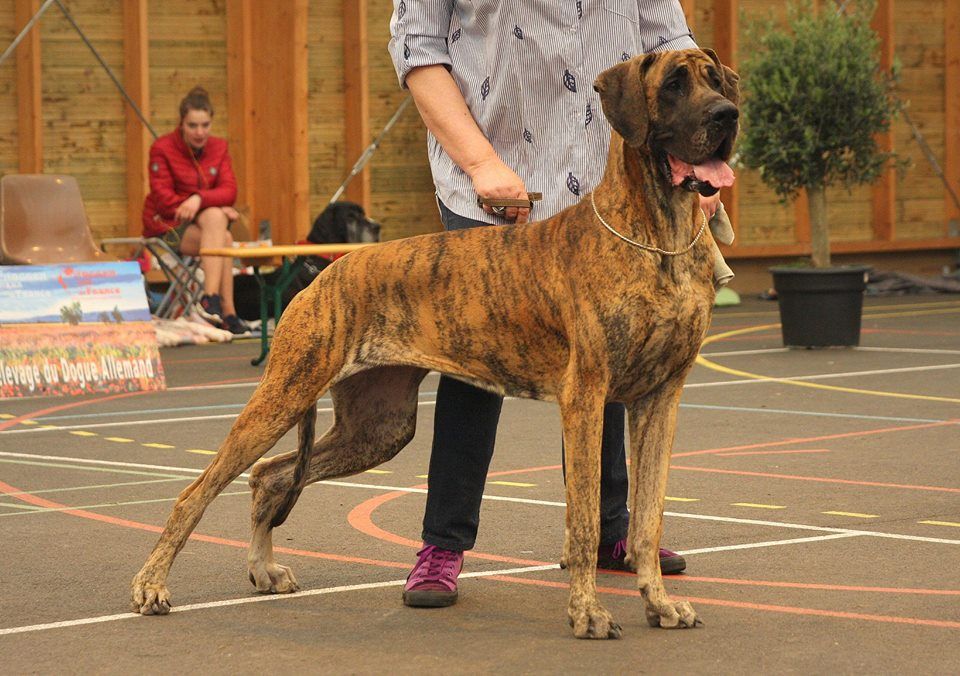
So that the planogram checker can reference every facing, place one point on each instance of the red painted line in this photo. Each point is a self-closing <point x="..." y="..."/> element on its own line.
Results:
<point x="730" y="455"/>
<point x="794" y="477"/>
<point x="812" y="585"/>
<point x="126" y="523"/>
<point x="745" y="605"/>
<point x="201" y="360"/>
<point x="826" y="437"/>
<point x="908" y="332"/>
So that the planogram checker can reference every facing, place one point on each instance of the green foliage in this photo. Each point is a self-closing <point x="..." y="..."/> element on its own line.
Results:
<point x="71" y="314"/>
<point x="815" y="97"/>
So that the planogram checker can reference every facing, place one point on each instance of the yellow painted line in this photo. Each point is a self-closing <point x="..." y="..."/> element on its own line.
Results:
<point x="713" y="366"/>
<point x="421" y="476"/>
<point x="120" y="440"/>
<point x="83" y="433"/>
<point x="681" y="499"/>
<point x="856" y="515"/>
<point x="49" y="427"/>
<point x="378" y="471"/>
<point x="941" y="523"/>
<point x="158" y="445"/>
<point x="29" y="422"/>
<point x="757" y="506"/>
<point x="200" y="451"/>
<point x="515" y="484"/>
<point x="7" y="416"/>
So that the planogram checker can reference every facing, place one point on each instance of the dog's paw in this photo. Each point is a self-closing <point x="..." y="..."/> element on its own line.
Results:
<point x="149" y="598"/>
<point x="680" y="615"/>
<point x="594" y="622"/>
<point x="272" y="578"/>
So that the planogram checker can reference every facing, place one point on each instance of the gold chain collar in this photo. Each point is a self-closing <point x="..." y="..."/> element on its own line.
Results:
<point x="647" y="247"/>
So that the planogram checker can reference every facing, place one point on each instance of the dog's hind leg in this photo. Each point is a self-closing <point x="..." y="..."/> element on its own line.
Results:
<point x="288" y="389"/>
<point x="653" y="422"/>
<point x="375" y="414"/>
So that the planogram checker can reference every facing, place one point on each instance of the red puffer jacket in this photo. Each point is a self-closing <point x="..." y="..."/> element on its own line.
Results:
<point x="175" y="175"/>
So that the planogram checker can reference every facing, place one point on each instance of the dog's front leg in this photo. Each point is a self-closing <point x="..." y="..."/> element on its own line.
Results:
<point x="652" y="426"/>
<point x="582" y="435"/>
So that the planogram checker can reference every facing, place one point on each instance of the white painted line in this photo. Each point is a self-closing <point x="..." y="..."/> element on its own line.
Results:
<point x="776" y="350"/>
<point x="771" y="543"/>
<point x="151" y="421"/>
<point x="103" y="505"/>
<point x="264" y="598"/>
<point x="44" y="491"/>
<point x="819" y="414"/>
<point x="526" y="501"/>
<point x="913" y="350"/>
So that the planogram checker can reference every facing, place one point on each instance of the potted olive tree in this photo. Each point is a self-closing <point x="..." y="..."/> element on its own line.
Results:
<point x="815" y="100"/>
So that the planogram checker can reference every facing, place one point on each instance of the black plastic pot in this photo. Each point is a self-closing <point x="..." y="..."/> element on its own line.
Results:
<point x="820" y="307"/>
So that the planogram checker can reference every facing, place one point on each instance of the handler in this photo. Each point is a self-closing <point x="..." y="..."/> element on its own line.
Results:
<point x="506" y="93"/>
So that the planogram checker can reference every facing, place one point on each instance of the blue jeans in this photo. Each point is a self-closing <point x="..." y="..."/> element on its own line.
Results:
<point x="464" y="434"/>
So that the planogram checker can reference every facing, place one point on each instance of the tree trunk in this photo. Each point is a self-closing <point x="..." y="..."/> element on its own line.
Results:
<point x="819" y="230"/>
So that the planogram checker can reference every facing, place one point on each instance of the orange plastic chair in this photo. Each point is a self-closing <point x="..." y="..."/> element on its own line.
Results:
<point x="42" y="221"/>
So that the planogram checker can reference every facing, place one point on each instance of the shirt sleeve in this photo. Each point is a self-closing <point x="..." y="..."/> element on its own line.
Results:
<point x="663" y="26"/>
<point x="418" y="35"/>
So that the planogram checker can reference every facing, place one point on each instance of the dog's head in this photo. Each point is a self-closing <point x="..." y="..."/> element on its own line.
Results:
<point x="343" y="222"/>
<point x="680" y="109"/>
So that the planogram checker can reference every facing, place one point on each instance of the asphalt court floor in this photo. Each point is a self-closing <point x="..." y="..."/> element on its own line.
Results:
<point x="815" y="495"/>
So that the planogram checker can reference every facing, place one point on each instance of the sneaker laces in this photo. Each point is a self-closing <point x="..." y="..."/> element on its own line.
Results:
<point x="435" y="563"/>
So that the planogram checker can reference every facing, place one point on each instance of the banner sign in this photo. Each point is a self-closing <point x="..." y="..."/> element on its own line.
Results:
<point x="76" y="329"/>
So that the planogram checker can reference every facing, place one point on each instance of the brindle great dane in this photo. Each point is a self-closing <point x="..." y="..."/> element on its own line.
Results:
<point x="558" y="310"/>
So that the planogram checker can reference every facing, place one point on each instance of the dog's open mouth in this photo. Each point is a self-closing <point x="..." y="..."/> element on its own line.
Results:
<point x="705" y="178"/>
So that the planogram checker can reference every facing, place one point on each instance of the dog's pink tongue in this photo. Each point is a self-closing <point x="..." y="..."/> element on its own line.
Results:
<point x="715" y="172"/>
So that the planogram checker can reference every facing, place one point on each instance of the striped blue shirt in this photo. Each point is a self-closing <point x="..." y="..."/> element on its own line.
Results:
<point x="526" y="69"/>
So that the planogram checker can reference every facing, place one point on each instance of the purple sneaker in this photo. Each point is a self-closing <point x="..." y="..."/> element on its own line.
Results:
<point x="433" y="581"/>
<point x="614" y="557"/>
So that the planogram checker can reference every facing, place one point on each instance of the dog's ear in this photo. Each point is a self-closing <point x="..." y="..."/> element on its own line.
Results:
<point x="624" y="98"/>
<point x="731" y="81"/>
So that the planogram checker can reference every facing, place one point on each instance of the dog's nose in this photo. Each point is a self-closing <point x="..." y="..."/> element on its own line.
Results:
<point x="725" y="114"/>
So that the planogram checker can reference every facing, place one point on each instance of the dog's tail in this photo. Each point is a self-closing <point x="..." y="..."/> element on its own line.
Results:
<point x="305" y="435"/>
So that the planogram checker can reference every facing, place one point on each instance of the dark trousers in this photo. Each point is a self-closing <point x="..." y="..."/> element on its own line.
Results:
<point x="464" y="434"/>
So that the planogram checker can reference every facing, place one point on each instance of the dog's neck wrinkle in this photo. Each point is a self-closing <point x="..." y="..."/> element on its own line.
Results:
<point x="666" y="218"/>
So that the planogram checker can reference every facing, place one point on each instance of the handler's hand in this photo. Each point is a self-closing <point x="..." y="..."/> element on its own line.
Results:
<point x="710" y="204"/>
<point x="493" y="178"/>
<point x="188" y="209"/>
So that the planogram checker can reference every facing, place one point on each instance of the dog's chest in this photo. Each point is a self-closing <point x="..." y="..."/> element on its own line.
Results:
<point x="653" y="336"/>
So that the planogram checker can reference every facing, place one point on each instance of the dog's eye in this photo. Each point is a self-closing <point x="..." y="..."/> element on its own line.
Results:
<point x="674" y="85"/>
<point x="715" y="80"/>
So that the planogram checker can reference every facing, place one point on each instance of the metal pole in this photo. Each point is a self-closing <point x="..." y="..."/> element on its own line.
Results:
<point x="105" y="67"/>
<point x="26" y="29"/>
<point x="368" y="153"/>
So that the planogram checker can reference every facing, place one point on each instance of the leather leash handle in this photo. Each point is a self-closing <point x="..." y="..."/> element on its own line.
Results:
<point x="510" y="202"/>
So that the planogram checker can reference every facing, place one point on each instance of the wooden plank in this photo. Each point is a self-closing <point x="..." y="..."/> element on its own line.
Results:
<point x="281" y="181"/>
<point x="136" y="76"/>
<point x="240" y="128"/>
<point x="29" y="90"/>
<point x="951" y="28"/>
<point x="356" y="85"/>
<point x="850" y="247"/>
<point x="884" y="190"/>
<point x="726" y="31"/>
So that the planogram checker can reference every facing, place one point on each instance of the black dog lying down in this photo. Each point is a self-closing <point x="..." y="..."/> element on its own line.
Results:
<point x="340" y="222"/>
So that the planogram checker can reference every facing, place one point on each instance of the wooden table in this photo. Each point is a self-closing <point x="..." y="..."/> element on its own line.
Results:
<point x="288" y="258"/>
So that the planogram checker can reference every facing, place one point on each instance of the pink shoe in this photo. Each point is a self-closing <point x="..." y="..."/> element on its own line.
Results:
<point x="613" y="557"/>
<point x="433" y="581"/>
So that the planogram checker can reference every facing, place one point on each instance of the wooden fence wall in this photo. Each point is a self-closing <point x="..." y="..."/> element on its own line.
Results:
<point x="59" y="113"/>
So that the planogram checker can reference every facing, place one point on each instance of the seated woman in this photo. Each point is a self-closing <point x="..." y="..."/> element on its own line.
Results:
<point x="190" y="204"/>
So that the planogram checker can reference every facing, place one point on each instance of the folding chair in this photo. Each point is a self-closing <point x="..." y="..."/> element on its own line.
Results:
<point x="42" y="221"/>
<point x="185" y="285"/>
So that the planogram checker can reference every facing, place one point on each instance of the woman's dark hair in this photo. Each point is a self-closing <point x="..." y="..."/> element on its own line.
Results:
<point x="196" y="99"/>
